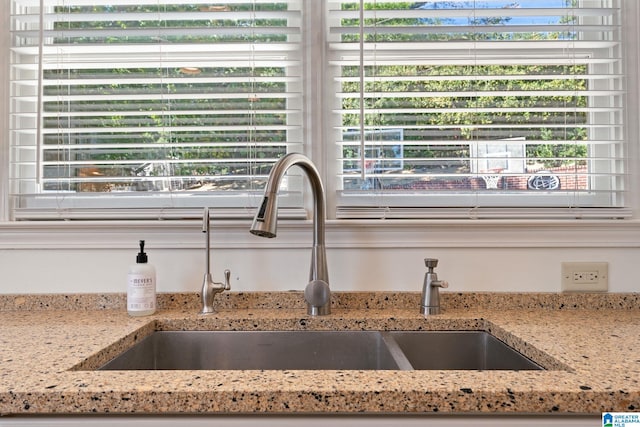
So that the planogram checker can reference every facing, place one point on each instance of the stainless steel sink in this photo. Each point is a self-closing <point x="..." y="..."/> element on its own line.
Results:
<point x="240" y="350"/>
<point x="475" y="350"/>
<point x="320" y="350"/>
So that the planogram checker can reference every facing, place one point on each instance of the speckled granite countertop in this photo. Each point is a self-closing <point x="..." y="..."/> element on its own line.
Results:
<point x="589" y="343"/>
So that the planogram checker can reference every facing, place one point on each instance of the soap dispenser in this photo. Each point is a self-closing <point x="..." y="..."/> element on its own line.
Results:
<point x="141" y="286"/>
<point x="431" y="289"/>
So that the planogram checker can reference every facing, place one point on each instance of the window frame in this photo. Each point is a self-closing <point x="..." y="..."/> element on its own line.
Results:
<point x="486" y="204"/>
<point x="42" y="205"/>
<point x="322" y="153"/>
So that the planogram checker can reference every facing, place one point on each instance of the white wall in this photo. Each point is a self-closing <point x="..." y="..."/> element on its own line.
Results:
<point x="508" y="270"/>
<point x="474" y="256"/>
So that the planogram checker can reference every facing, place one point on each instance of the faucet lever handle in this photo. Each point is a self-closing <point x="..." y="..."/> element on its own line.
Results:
<point x="440" y="283"/>
<point x="317" y="293"/>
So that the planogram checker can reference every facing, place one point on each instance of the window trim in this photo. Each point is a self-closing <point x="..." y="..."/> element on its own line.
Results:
<point x="319" y="152"/>
<point x="54" y="204"/>
<point x="341" y="234"/>
<point x="5" y="43"/>
<point x="390" y="204"/>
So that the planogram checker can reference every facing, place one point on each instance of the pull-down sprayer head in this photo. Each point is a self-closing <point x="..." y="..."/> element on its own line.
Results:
<point x="265" y="223"/>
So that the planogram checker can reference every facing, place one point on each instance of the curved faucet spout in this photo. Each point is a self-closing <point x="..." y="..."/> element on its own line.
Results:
<point x="265" y="221"/>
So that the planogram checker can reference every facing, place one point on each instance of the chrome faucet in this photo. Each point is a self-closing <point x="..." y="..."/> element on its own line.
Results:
<point x="431" y="289"/>
<point x="317" y="292"/>
<point x="209" y="287"/>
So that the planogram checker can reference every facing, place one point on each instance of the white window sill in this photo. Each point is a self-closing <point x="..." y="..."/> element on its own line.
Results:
<point x="184" y="234"/>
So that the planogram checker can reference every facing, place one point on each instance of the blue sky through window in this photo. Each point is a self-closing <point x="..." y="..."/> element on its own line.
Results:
<point x="506" y="5"/>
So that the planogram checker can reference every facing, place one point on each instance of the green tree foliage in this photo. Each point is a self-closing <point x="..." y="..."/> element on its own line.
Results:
<point x="134" y="130"/>
<point x="466" y="102"/>
<point x="453" y="103"/>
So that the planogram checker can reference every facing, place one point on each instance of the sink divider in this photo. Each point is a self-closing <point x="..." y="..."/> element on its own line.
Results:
<point x="396" y="352"/>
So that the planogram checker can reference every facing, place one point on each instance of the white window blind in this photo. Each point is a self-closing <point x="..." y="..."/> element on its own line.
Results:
<point x="151" y="103"/>
<point x="478" y="108"/>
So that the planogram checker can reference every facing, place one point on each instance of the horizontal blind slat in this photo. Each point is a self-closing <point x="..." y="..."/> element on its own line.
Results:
<point x="154" y="96"/>
<point x="477" y="103"/>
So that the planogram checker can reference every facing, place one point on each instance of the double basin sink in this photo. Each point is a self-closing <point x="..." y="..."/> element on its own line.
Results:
<point x="321" y="350"/>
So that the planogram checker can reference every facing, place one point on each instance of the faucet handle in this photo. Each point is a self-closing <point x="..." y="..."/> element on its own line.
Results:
<point x="317" y="293"/>
<point x="440" y="283"/>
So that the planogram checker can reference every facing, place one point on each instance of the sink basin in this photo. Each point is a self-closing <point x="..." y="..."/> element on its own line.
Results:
<point x="320" y="350"/>
<point x="233" y="350"/>
<point x="476" y="350"/>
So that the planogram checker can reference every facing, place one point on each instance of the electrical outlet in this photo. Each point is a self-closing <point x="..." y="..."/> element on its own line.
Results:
<point x="585" y="276"/>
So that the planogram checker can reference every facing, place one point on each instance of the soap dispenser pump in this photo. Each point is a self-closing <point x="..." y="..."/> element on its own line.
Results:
<point x="430" y="301"/>
<point x="141" y="286"/>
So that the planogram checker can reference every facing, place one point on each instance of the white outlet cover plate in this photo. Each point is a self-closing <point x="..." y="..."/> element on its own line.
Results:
<point x="570" y="268"/>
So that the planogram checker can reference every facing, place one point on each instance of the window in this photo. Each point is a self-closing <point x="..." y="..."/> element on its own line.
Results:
<point x="467" y="106"/>
<point x="455" y="108"/>
<point x="152" y="103"/>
